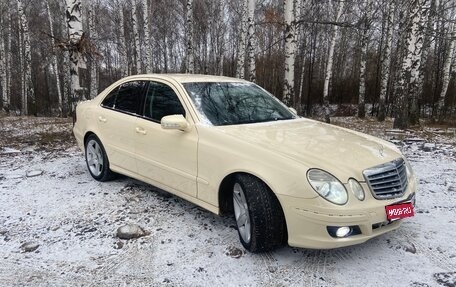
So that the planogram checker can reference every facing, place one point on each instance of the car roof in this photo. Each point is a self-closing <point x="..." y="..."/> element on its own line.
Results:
<point x="187" y="78"/>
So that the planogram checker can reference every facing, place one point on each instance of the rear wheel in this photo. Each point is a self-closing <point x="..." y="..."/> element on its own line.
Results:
<point x="259" y="217"/>
<point x="97" y="160"/>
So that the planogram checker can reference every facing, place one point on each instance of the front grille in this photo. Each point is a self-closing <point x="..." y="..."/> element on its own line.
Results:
<point x="388" y="180"/>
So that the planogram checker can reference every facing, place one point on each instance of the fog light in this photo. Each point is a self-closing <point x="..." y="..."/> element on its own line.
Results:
<point x="343" y="231"/>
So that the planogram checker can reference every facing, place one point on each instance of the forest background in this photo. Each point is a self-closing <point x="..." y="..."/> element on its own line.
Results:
<point x="324" y="58"/>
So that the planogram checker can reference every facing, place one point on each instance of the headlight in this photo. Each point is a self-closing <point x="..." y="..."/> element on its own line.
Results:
<point x="356" y="188"/>
<point x="327" y="186"/>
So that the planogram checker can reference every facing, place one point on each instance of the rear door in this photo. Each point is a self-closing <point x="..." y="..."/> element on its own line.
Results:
<point x="116" y="123"/>
<point x="168" y="157"/>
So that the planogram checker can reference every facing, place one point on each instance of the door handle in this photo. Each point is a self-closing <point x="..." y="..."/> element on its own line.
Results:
<point x="141" y="131"/>
<point x="102" y="119"/>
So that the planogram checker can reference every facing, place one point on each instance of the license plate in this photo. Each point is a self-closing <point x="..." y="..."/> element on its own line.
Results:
<point x="399" y="211"/>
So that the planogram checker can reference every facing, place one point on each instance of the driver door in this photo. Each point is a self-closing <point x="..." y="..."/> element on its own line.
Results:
<point x="168" y="157"/>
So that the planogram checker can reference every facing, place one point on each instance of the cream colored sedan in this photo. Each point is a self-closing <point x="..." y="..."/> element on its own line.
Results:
<point x="229" y="146"/>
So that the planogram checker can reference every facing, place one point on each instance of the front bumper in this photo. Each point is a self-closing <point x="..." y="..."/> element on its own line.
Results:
<point x="308" y="219"/>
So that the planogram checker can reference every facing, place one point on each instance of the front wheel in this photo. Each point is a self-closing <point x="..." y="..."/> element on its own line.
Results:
<point x="258" y="214"/>
<point x="97" y="160"/>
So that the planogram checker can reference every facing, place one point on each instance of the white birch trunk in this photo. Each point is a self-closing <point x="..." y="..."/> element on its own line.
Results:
<point x="3" y="67"/>
<point x="74" y="23"/>
<point x="386" y="61"/>
<point x="55" y="66"/>
<point x="21" y="66"/>
<point x="447" y="69"/>
<point x="122" y="43"/>
<point x="290" y="51"/>
<point x="94" y="39"/>
<point x="137" y="43"/>
<point x="9" y="60"/>
<point x="190" y="66"/>
<point x="251" y="40"/>
<point x="362" y="64"/>
<point x="28" y="85"/>
<point x="415" y="71"/>
<point x="328" y="74"/>
<point x="240" y="65"/>
<point x="147" y="47"/>
<point x="401" y="120"/>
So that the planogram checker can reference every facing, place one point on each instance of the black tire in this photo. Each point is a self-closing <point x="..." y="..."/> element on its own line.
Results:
<point x="103" y="173"/>
<point x="267" y="222"/>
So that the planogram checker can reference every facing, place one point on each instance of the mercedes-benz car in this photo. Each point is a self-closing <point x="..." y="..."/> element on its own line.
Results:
<point x="229" y="146"/>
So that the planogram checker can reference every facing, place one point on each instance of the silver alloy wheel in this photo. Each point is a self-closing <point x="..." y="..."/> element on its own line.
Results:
<point x="94" y="156"/>
<point x="241" y="212"/>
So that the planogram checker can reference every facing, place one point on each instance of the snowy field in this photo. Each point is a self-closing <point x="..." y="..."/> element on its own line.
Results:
<point x="58" y="226"/>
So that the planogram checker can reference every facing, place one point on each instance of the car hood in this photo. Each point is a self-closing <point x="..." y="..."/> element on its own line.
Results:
<point x="342" y="152"/>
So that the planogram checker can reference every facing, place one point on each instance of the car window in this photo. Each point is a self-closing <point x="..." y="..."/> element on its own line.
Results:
<point x="110" y="99"/>
<point x="129" y="97"/>
<point x="225" y="103"/>
<point x="161" y="101"/>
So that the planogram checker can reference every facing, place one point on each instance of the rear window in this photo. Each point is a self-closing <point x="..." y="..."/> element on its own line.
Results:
<point x="110" y="99"/>
<point x="129" y="97"/>
<point x="126" y="97"/>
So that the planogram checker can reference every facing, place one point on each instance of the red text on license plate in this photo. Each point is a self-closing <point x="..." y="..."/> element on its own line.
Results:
<point x="399" y="211"/>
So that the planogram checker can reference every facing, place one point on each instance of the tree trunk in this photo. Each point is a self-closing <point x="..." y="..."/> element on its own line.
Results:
<point x="55" y="65"/>
<point x="329" y="65"/>
<point x="122" y="43"/>
<point x="94" y="40"/>
<point x="240" y="66"/>
<point x="75" y="34"/>
<point x="290" y="51"/>
<point x="137" y="44"/>
<point x="28" y="85"/>
<point x="429" y="37"/>
<point x="251" y="40"/>
<point x="3" y="68"/>
<point x="447" y="70"/>
<point x="362" y="64"/>
<point x="190" y="67"/>
<point x="401" y="120"/>
<point x="147" y="48"/>
<point x="413" y="94"/>
<point x="386" y="61"/>
<point x="9" y="61"/>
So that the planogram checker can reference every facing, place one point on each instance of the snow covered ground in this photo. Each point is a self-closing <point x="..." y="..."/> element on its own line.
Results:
<point x="51" y="205"/>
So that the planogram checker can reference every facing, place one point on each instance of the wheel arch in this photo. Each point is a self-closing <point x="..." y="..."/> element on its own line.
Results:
<point x="226" y="202"/>
<point x="225" y="189"/>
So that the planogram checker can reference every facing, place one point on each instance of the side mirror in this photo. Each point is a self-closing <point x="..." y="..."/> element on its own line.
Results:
<point x="293" y="110"/>
<point x="174" y="122"/>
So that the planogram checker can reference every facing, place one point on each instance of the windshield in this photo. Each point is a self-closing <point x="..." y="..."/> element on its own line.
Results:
<point x="235" y="103"/>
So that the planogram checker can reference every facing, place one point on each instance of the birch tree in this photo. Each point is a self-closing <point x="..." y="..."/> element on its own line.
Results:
<point x="122" y="41"/>
<point x="190" y="67"/>
<point x="3" y="67"/>
<point x="362" y="65"/>
<point x="55" y="66"/>
<point x="75" y="34"/>
<point x="28" y="85"/>
<point x="290" y="7"/>
<point x="386" y="60"/>
<point x="402" y="113"/>
<point x="240" y="66"/>
<point x="415" y="70"/>
<point x="329" y="65"/>
<point x="447" y="69"/>
<point x="251" y="40"/>
<point x="146" y="43"/>
<point x="137" y="44"/>
<point x="94" y="39"/>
